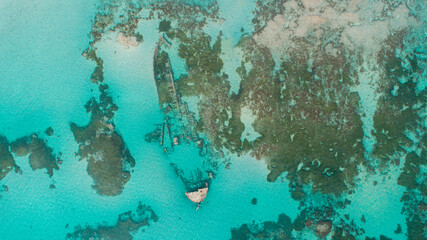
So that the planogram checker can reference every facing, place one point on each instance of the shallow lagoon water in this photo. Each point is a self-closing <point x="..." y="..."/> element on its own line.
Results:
<point x="44" y="81"/>
<point x="372" y="205"/>
<point x="48" y="85"/>
<point x="154" y="181"/>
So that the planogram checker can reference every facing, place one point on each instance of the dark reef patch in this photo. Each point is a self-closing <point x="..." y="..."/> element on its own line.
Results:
<point x="320" y="221"/>
<point x="399" y="123"/>
<point x="98" y="73"/>
<point x="127" y="224"/>
<point x="265" y="11"/>
<point x="41" y="155"/>
<point x="282" y="229"/>
<point x="7" y="162"/>
<point x="307" y="118"/>
<point x="164" y="26"/>
<point x="310" y="110"/>
<point x="411" y="175"/>
<point x="414" y="199"/>
<point x="402" y="102"/>
<point x="49" y="131"/>
<point x="109" y="160"/>
<point x="219" y="112"/>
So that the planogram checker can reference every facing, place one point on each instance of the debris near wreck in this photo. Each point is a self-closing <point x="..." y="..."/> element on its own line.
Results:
<point x="178" y="130"/>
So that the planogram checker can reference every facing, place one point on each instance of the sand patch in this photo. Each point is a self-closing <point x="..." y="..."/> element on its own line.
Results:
<point x="359" y="25"/>
<point x="126" y="41"/>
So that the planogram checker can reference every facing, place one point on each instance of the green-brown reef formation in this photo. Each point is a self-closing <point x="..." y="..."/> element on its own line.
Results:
<point x="401" y="100"/>
<point x="206" y="81"/>
<point x="400" y="124"/>
<point x="306" y="108"/>
<point x="219" y="113"/>
<point x="41" y="156"/>
<point x="307" y="117"/>
<point x="301" y="111"/>
<point x="109" y="161"/>
<point x="7" y="162"/>
<point x="103" y="23"/>
<point x="127" y="224"/>
<point x="311" y="222"/>
<point x="282" y="229"/>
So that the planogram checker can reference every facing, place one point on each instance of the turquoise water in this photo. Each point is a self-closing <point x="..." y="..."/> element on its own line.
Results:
<point x="44" y="82"/>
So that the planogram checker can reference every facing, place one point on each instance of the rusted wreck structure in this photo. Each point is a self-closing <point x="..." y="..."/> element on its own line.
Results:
<point x="179" y="124"/>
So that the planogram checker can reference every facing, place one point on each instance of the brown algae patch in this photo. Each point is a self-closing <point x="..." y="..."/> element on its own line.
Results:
<point x="306" y="115"/>
<point x="401" y="100"/>
<point x="282" y="229"/>
<point x="98" y="73"/>
<point x="413" y="177"/>
<point x="219" y="115"/>
<point x="41" y="156"/>
<point x="103" y="23"/>
<point x="301" y="109"/>
<point x="127" y="224"/>
<point x="400" y="123"/>
<point x="219" y="112"/>
<point x="49" y="131"/>
<point x="109" y="160"/>
<point x="323" y="222"/>
<point x="7" y="162"/>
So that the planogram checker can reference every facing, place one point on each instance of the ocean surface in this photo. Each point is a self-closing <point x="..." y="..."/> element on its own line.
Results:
<point x="45" y="82"/>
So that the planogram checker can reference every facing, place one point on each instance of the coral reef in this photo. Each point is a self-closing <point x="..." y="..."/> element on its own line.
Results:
<point x="127" y="224"/>
<point x="312" y="222"/>
<point x="281" y="229"/>
<point x="49" y="131"/>
<point x="306" y="115"/>
<point x="219" y="113"/>
<point x="301" y="76"/>
<point x="7" y="162"/>
<point x="109" y="160"/>
<point x="401" y="100"/>
<point x="399" y="121"/>
<point x="41" y="156"/>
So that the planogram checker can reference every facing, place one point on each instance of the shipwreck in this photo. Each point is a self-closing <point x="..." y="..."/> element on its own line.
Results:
<point x="198" y="196"/>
